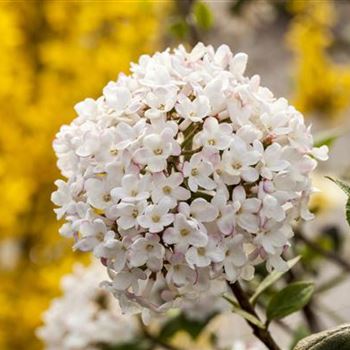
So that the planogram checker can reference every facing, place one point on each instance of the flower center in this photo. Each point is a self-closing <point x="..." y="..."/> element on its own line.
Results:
<point x="158" y="151"/>
<point x="162" y="107"/>
<point x="184" y="232"/>
<point x="135" y="213"/>
<point x="100" y="236"/>
<point x="107" y="197"/>
<point x="156" y="218"/>
<point x="236" y="165"/>
<point x="194" y="172"/>
<point x="134" y="193"/>
<point x="113" y="152"/>
<point x="211" y="142"/>
<point x="167" y="189"/>
<point x="201" y="251"/>
<point x="149" y="247"/>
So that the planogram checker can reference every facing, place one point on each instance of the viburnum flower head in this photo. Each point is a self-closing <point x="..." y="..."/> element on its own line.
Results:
<point x="85" y="317"/>
<point x="183" y="176"/>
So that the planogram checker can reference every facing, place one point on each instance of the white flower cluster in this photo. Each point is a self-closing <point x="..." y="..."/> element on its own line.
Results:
<point x="183" y="176"/>
<point x="85" y="317"/>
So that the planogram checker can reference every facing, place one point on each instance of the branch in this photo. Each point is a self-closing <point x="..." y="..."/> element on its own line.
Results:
<point x="243" y="300"/>
<point x="155" y="340"/>
<point x="332" y="256"/>
<point x="332" y="282"/>
<point x="284" y="326"/>
<point x="311" y="318"/>
<point x="185" y="10"/>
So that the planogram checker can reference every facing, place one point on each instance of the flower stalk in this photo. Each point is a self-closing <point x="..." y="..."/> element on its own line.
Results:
<point x="262" y="334"/>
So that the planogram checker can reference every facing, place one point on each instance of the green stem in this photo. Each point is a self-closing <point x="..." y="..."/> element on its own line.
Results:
<point x="155" y="340"/>
<point x="262" y="334"/>
<point x="189" y="136"/>
<point x="330" y="255"/>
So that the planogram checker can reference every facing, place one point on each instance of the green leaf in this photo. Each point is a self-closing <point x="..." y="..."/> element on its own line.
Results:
<point x="327" y="138"/>
<point x="183" y="323"/>
<point x="179" y="29"/>
<point x="346" y="188"/>
<point x="248" y="316"/>
<point x="333" y="339"/>
<point x="271" y="279"/>
<point x="290" y="299"/>
<point x="202" y="15"/>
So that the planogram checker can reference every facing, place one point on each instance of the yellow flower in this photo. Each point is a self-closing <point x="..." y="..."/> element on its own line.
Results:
<point x="321" y="85"/>
<point x="53" y="54"/>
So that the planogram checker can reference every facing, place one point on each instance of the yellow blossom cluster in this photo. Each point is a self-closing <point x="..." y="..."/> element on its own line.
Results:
<point x="53" y="54"/>
<point x="322" y="86"/>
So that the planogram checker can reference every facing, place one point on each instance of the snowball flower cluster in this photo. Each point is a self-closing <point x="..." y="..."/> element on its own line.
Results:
<point x="85" y="317"/>
<point x="183" y="176"/>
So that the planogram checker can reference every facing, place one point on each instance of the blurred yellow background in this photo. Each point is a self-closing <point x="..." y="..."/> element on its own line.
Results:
<point x="54" y="54"/>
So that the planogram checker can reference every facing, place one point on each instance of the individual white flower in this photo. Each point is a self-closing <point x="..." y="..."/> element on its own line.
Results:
<point x="239" y="161"/>
<point x="198" y="170"/>
<point x="320" y="153"/>
<point x="214" y="135"/>
<point x="246" y="210"/>
<point x="169" y="188"/>
<point x="146" y="250"/>
<point x="200" y="210"/>
<point x="179" y="272"/>
<point x="133" y="188"/>
<point x="62" y="198"/>
<point x="129" y="278"/>
<point x="98" y="193"/>
<point x="89" y="143"/>
<point x="86" y="109"/>
<point x="195" y="110"/>
<point x="276" y="262"/>
<point x="272" y="160"/>
<point x="156" y="217"/>
<point x="235" y="257"/>
<point x="120" y="99"/>
<point x="272" y="208"/>
<point x="223" y="56"/>
<point x="184" y="233"/>
<point x="226" y="217"/>
<point x="119" y="258"/>
<point x="161" y="100"/>
<point x="203" y="256"/>
<point x="276" y="124"/>
<point x="94" y="236"/>
<point x="215" y="94"/>
<point x="129" y="213"/>
<point x="238" y="64"/>
<point x="274" y="236"/>
<point x="157" y="148"/>
<point x="126" y="135"/>
<point x="110" y="248"/>
<point x="156" y="76"/>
